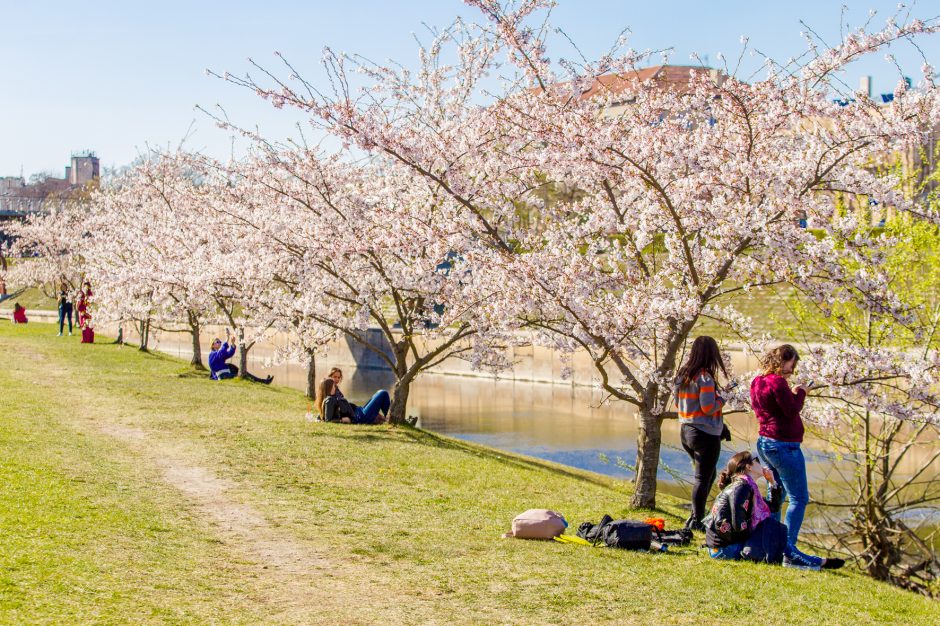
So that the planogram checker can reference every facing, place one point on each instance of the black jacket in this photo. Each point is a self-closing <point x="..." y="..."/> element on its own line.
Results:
<point x="331" y="409"/>
<point x="336" y="407"/>
<point x="730" y="519"/>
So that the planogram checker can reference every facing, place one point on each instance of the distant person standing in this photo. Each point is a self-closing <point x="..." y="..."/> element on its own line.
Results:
<point x="65" y="308"/>
<point x="19" y="314"/>
<point x="81" y="309"/>
<point x="700" y="414"/>
<point x="780" y="435"/>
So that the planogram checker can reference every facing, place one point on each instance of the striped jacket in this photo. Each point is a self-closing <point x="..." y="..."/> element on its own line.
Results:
<point x="699" y="405"/>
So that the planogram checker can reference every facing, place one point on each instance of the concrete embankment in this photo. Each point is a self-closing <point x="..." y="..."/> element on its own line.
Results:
<point x="531" y="362"/>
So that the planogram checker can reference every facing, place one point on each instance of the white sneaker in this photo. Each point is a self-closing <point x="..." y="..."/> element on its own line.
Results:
<point x="70" y="333"/>
<point x="59" y="335"/>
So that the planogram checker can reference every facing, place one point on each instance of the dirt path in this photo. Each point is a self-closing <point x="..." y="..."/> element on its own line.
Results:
<point x="294" y="581"/>
<point x="293" y="575"/>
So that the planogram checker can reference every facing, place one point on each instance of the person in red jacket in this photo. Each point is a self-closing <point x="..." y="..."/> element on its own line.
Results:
<point x="88" y="331"/>
<point x="780" y="435"/>
<point x="19" y="314"/>
<point x="81" y="307"/>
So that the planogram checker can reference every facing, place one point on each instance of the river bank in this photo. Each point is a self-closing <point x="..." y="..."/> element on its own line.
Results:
<point x="141" y="493"/>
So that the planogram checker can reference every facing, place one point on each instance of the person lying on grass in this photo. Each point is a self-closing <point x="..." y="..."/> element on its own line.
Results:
<point x="740" y="525"/>
<point x="330" y="406"/>
<point x="220" y="370"/>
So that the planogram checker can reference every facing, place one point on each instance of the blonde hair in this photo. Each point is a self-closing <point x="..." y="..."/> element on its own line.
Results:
<point x="324" y="389"/>
<point x="773" y="361"/>
<point x="335" y="370"/>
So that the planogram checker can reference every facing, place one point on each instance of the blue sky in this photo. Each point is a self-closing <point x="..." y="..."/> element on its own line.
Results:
<point x="115" y="77"/>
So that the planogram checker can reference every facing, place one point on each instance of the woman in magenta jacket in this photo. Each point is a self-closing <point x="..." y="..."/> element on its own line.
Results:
<point x="777" y="408"/>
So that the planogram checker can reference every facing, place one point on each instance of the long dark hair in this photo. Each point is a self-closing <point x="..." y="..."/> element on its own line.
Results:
<point x="325" y="389"/>
<point x="736" y="465"/>
<point x="704" y="355"/>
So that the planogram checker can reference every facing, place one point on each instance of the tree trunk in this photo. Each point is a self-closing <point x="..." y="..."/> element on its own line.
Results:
<point x="649" y="440"/>
<point x="242" y="354"/>
<point x="144" y="335"/>
<point x="311" y="374"/>
<point x="397" y="412"/>
<point x="399" y="405"/>
<point x="197" y="348"/>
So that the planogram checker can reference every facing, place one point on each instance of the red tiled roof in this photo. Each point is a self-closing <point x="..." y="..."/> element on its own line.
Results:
<point x="674" y="77"/>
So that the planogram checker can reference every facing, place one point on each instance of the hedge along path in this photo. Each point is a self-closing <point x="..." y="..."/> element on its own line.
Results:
<point x="293" y="581"/>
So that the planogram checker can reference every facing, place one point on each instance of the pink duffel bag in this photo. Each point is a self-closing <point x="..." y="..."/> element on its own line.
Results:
<point x="537" y="524"/>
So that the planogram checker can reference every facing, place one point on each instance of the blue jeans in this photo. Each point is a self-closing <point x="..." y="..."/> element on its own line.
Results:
<point x="785" y="460"/>
<point x="367" y="414"/>
<point x="733" y="553"/>
<point x="65" y="312"/>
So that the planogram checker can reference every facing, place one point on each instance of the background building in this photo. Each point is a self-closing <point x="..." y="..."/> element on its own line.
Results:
<point x="19" y="197"/>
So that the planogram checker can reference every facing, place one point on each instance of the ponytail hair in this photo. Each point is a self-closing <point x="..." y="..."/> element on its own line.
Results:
<point x="326" y="388"/>
<point x="736" y="465"/>
<point x="773" y="361"/>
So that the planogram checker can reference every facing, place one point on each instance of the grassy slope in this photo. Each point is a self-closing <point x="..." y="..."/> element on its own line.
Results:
<point x="409" y="519"/>
<point x="31" y="299"/>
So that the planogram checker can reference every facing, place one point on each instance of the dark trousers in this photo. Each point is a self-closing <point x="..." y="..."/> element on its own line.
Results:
<point x="233" y="372"/>
<point x="704" y="450"/>
<point x="65" y="310"/>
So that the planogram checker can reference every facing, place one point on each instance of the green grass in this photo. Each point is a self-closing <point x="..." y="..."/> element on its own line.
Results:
<point x="407" y="522"/>
<point x="32" y="298"/>
<point x="87" y="533"/>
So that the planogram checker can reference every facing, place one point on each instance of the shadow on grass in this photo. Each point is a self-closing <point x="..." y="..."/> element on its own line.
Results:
<point x="193" y="372"/>
<point x="428" y="438"/>
<point x="410" y="434"/>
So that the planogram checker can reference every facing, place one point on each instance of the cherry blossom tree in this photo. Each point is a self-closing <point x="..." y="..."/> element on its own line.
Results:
<point x="46" y="248"/>
<point x="148" y="248"/>
<point x="674" y="200"/>
<point x="353" y="252"/>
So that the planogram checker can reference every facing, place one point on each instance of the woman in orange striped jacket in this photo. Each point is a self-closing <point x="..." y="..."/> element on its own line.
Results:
<point x="699" y="406"/>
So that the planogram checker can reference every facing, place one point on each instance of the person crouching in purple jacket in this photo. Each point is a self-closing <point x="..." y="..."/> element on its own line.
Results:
<point x="219" y="369"/>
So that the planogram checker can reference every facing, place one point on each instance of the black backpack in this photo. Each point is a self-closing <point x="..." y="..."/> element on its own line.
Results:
<point x="680" y="537"/>
<point x="622" y="533"/>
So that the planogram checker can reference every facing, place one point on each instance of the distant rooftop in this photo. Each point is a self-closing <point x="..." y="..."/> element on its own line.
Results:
<point x="674" y="77"/>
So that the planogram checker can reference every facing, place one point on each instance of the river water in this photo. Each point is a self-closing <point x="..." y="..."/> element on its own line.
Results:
<point x="559" y="422"/>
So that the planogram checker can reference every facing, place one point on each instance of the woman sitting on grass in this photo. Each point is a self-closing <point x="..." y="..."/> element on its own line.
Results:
<point x="740" y="525"/>
<point x="19" y="314"/>
<point x="329" y="402"/>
